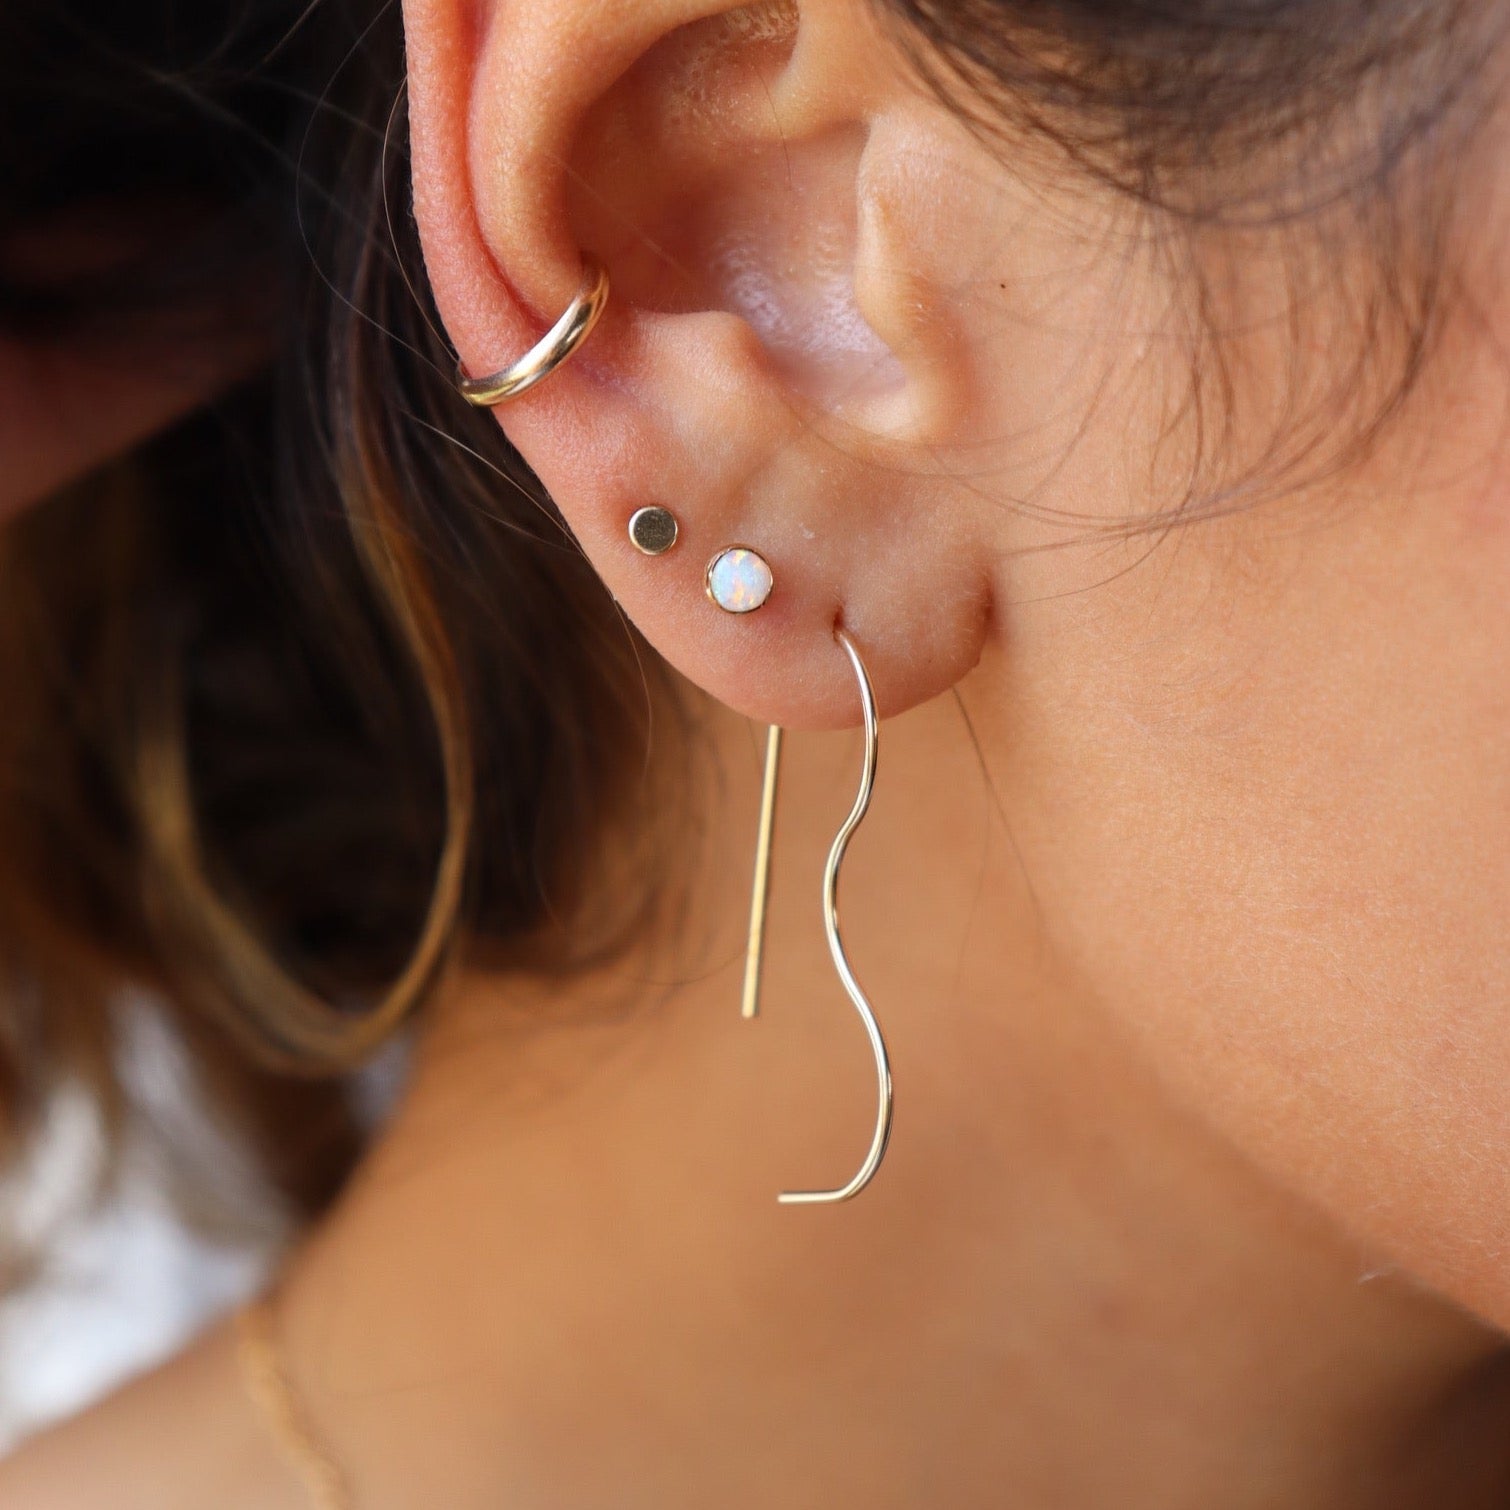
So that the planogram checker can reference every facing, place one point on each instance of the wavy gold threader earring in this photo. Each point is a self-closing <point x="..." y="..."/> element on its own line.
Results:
<point x="739" y="581"/>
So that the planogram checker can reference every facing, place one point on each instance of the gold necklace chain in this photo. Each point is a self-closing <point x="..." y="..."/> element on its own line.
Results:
<point x="278" y="1404"/>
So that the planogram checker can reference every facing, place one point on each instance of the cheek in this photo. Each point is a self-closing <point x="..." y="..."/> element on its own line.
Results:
<point x="1275" y="829"/>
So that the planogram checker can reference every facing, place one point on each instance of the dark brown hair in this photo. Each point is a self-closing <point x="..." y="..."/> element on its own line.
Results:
<point x="315" y="685"/>
<point x="317" y="679"/>
<point x="1188" y="104"/>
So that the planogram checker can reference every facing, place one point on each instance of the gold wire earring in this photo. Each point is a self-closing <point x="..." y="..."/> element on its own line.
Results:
<point x="755" y="950"/>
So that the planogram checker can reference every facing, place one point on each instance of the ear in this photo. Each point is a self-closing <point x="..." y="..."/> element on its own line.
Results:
<point x="775" y="366"/>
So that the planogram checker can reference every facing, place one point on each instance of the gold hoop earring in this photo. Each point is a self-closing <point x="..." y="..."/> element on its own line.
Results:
<point x="755" y="952"/>
<point x="558" y="345"/>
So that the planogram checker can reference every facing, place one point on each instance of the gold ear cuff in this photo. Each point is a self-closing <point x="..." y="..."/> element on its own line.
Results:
<point x="558" y="345"/>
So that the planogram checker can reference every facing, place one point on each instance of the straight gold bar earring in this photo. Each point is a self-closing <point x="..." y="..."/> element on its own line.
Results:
<point x="761" y="891"/>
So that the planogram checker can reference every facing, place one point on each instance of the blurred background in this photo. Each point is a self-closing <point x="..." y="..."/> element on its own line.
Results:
<point x="118" y="1269"/>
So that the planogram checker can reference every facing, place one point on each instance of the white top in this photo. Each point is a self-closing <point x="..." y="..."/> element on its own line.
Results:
<point x="121" y="1283"/>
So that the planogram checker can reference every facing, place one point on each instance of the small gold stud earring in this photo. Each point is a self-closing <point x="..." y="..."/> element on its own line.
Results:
<point x="652" y="530"/>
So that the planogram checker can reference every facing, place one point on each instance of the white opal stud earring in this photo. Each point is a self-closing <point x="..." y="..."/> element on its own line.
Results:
<point x="653" y="530"/>
<point x="739" y="580"/>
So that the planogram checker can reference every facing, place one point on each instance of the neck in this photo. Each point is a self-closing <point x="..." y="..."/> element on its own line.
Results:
<point x="566" y="1274"/>
<point x="563" y="1278"/>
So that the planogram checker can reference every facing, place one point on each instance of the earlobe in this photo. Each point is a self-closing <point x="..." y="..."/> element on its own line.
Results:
<point x="766" y="354"/>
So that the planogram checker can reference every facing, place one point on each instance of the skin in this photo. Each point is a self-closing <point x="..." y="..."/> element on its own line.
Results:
<point x="1182" y="900"/>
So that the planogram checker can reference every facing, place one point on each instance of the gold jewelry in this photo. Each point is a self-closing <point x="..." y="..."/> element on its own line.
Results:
<point x="761" y="892"/>
<point x="653" y="530"/>
<point x="556" y="346"/>
<point x="278" y="1405"/>
<point x="755" y="952"/>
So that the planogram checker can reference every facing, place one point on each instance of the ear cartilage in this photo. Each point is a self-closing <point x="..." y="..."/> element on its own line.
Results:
<point x="652" y="530"/>
<point x="739" y="580"/>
